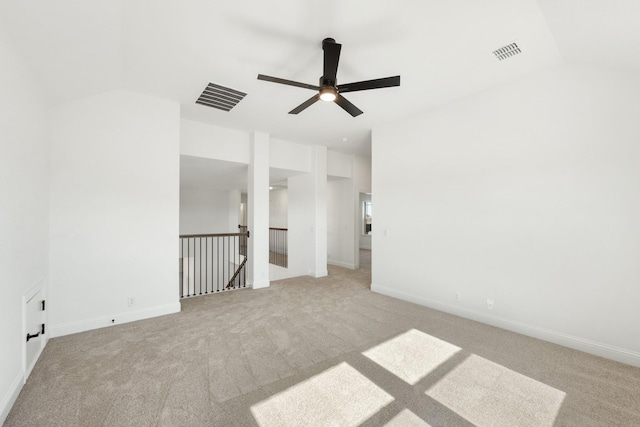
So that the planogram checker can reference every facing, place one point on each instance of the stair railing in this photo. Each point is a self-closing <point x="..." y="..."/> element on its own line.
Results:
<point x="211" y="263"/>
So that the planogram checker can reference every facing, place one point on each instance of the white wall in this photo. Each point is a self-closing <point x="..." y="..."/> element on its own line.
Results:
<point x="339" y="165"/>
<point x="24" y="169"/>
<point x="526" y="195"/>
<point x="289" y="156"/>
<point x="362" y="173"/>
<point x="214" y="142"/>
<point x="243" y="211"/>
<point x="319" y="174"/>
<point x="301" y="224"/>
<point x="114" y="210"/>
<point x="299" y="162"/>
<point x="235" y="214"/>
<point x="348" y="176"/>
<point x="308" y="218"/>
<point x="340" y="223"/>
<point x="206" y="211"/>
<point x="258" y="211"/>
<point x="278" y="208"/>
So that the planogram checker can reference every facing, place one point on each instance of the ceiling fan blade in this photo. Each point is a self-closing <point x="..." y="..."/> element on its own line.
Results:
<point x="287" y="82"/>
<point x="305" y="104"/>
<point x="370" y="84"/>
<point x="331" y="59"/>
<point x="347" y="106"/>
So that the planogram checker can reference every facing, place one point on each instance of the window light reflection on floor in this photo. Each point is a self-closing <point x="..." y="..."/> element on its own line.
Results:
<point x="488" y="394"/>
<point x="339" y="396"/>
<point x="406" y="418"/>
<point x="412" y="355"/>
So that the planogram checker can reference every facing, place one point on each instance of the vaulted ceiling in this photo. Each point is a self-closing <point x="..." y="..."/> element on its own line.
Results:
<point x="442" y="50"/>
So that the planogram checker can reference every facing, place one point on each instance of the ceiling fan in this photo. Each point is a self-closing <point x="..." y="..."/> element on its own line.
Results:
<point x="328" y="89"/>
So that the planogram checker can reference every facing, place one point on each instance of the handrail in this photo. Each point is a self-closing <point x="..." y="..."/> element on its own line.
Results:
<point x="208" y="260"/>
<point x="247" y="234"/>
<point x="235" y="275"/>
<point x="278" y="246"/>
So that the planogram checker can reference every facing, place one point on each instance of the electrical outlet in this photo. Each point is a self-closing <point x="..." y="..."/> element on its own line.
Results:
<point x="490" y="304"/>
<point x="131" y="301"/>
<point x="458" y="296"/>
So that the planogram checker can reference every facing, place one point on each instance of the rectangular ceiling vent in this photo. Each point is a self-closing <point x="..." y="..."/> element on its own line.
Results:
<point x="507" y="51"/>
<point x="220" y="97"/>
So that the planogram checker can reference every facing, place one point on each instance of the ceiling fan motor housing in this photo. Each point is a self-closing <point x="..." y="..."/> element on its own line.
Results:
<point x="327" y="40"/>
<point x="324" y="82"/>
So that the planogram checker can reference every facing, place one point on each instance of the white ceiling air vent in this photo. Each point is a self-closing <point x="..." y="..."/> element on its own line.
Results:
<point x="220" y="97"/>
<point x="507" y="51"/>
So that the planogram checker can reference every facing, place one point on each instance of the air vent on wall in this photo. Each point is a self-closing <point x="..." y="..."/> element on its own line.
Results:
<point x="220" y="97"/>
<point x="507" y="51"/>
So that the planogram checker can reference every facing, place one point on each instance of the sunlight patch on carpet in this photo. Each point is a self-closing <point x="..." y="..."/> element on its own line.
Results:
<point x="339" y="396"/>
<point x="488" y="394"/>
<point x="412" y="355"/>
<point x="406" y="418"/>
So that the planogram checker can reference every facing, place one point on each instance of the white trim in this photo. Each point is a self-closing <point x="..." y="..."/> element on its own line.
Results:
<point x="105" y="321"/>
<point x="34" y="289"/>
<point x="260" y="285"/>
<point x="10" y="398"/>
<point x="318" y="274"/>
<point x="341" y="264"/>
<point x="365" y="246"/>
<point x="588" y="346"/>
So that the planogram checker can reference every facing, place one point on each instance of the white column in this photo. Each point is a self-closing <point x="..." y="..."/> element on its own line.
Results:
<point x="319" y="172"/>
<point x="258" y="210"/>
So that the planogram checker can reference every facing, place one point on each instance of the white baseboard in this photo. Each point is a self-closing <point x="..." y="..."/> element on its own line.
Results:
<point x="105" y="321"/>
<point x="588" y="346"/>
<point x="261" y="284"/>
<point x="318" y="274"/>
<point x="10" y="398"/>
<point x="341" y="264"/>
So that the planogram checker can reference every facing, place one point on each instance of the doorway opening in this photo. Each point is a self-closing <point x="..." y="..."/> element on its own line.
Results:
<point x="365" y="229"/>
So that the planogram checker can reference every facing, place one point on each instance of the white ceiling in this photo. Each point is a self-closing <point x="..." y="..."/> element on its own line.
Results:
<point x="596" y="32"/>
<point x="171" y="49"/>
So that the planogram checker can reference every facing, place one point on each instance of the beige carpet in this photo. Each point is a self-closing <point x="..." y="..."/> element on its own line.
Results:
<point x="311" y="352"/>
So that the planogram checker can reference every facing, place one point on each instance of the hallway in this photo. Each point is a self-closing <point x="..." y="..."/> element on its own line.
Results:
<point x="365" y="259"/>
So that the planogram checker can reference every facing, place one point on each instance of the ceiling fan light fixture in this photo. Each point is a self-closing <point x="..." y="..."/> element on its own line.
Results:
<point x="328" y="94"/>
